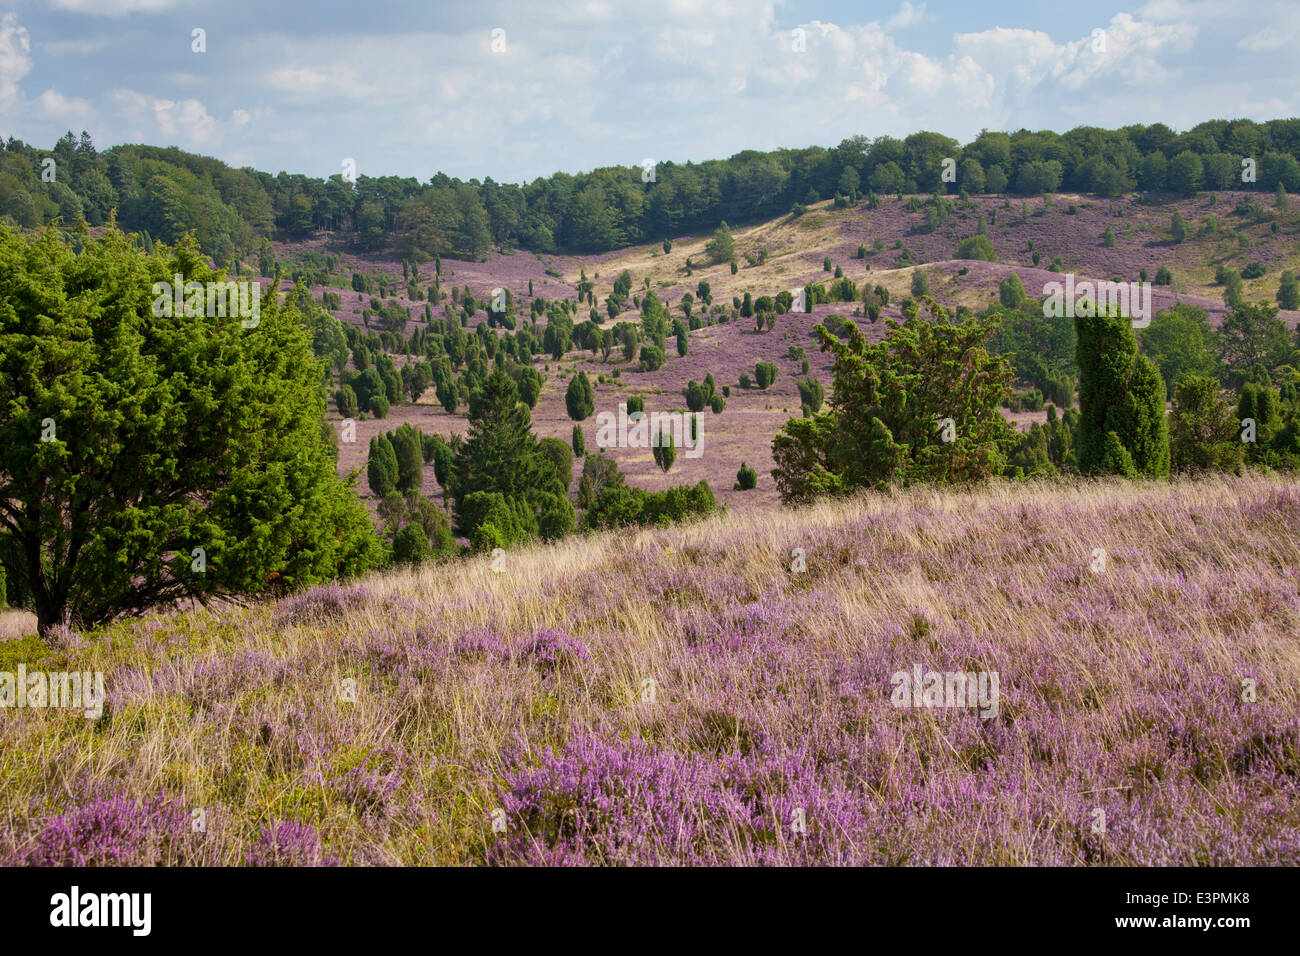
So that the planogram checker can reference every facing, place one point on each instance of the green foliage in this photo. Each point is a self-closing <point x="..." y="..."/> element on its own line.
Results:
<point x="1252" y="335"/>
<point x="157" y="446"/>
<point x="746" y="478"/>
<point x="920" y="283"/>
<point x="610" y="503"/>
<point x="579" y="399"/>
<point x="579" y="443"/>
<point x="418" y="529"/>
<point x="722" y="247"/>
<point x="1011" y="292"/>
<point x="1203" y="433"/>
<point x="1181" y="342"/>
<point x="345" y="400"/>
<point x="978" y="246"/>
<point x="664" y="450"/>
<point x="696" y="396"/>
<point x="890" y="398"/>
<point x="409" y="457"/>
<point x="1121" y="395"/>
<point x="652" y="358"/>
<point x="1178" y="227"/>
<point x="444" y="461"/>
<point x="381" y="467"/>
<point x="1288" y="291"/>
<point x="559" y="455"/>
<point x="765" y="374"/>
<point x="811" y="394"/>
<point x="499" y="460"/>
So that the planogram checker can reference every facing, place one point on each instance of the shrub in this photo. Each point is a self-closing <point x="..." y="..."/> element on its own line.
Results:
<point x="765" y="374"/>
<point x="1121" y="401"/>
<point x="1288" y="292"/>
<point x="717" y="403"/>
<point x="811" y="394"/>
<point x="345" y="400"/>
<point x="978" y="246"/>
<point x="664" y="450"/>
<point x="1253" y="271"/>
<point x="557" y="453"/>
<point x="746" y="478"/>
<point x="721" y="247"/>
<point x="920" y="283"/>
<point x="1202" y="429"/>
<point x="579" y="399"/>
<point x="1164" y="276"/>
<point x="1011" y="292"/>
<point x="1178" y="227"/>
<point x="889" y="396"/>
<point x="381" y="467"/>
<point x="579" y="443"/>
<point x="652" y="358"/>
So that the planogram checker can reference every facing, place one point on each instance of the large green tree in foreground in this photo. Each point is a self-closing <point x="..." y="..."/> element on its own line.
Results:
<point x="147" y="458"/>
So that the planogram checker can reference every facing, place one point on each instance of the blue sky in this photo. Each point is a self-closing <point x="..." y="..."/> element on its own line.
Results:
<point x="414" y="88"/>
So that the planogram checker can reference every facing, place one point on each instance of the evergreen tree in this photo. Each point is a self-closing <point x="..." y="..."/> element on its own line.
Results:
<point x="579" y="398"/>
<point x="1203" y="433"/>
<point x="381" y="467"/>
<point x="721" y="248"/>
<point x="665" y="451"/>
<point x="890" y="400"/>
<point x="1178" y="227"/>
<point x="157" y="448"/>
<point x="1288" y="292"/>
<point x="1120" y="393"/>
<point x="409" y="457"/>
<point x="498" y="456"/>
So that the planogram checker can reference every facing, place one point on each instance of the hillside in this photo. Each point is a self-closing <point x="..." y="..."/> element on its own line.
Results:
<point x="1122" y="734"/>
<point x="796" y="247"/>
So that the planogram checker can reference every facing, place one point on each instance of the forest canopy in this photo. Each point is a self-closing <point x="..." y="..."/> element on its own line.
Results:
<point x="166" y="192"/>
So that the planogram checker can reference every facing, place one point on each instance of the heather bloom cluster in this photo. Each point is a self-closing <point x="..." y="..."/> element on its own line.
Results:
<point x="318" y="603"/>
<point x="114" y="831"/>
<point x="288" y="843"/>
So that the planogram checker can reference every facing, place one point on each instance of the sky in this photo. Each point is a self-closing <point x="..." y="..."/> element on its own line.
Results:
<point x="518" y="90"/>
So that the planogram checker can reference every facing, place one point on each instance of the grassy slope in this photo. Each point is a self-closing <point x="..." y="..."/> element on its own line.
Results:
<point x="1120" y="691"/>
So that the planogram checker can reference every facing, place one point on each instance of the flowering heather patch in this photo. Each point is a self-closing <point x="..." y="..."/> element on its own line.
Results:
<point x="114" y="831"/>
<point x="695" y="695"/>
<point x="324" y="601"/>
<point x="288" y="844"/>
<point x="549" y="649"/>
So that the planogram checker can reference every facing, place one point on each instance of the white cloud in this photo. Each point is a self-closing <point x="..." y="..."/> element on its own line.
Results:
<point x="15" y="59"/>
<point x="907" y="16"/>
<point x="1282" y="31"/>
<point x="55" y="105"/>
<point x="112" y="8"/>
<point x="186" y="120"/>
